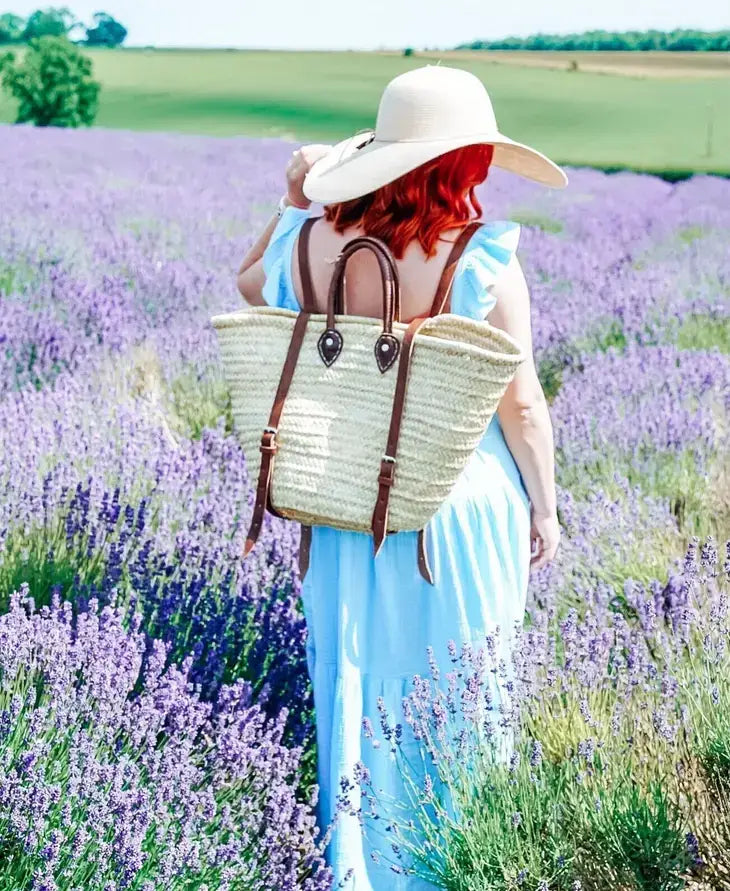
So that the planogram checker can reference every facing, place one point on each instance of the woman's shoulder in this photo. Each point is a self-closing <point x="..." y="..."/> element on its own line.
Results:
<point x="487" y="254"/>
<point x="493" y="244"/>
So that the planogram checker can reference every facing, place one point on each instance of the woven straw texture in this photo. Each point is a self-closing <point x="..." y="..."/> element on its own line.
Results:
<point x="334" y="426"/>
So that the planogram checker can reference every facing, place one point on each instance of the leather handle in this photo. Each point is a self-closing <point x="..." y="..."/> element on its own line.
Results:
<point x="388" y="273"/>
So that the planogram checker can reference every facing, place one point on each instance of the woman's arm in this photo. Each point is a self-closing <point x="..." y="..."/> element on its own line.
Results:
<point x="524" y="417"/>
<point x="251" y="276"/>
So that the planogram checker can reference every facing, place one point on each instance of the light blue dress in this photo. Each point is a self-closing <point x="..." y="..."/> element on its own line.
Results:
<point x="370" y="621"/>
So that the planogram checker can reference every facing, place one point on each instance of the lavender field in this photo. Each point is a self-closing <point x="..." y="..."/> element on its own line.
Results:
<point x="156" y="725"/>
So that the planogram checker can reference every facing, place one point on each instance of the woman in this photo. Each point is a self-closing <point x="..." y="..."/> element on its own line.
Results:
<point x="370" y="620"/>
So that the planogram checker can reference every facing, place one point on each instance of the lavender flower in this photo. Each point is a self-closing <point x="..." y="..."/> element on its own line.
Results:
<point x="115" y="768"/>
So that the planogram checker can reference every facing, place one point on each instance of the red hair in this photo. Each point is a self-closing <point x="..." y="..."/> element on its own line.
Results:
<point x="422" y="203"/>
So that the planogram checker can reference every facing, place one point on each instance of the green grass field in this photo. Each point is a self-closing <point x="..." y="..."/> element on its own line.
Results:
<point x="622" y="119"/>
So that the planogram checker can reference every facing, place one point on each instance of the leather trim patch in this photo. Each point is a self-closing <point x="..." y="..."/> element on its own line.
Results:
<point x="305" y="544"/>
<point x="424" y="567"/>
<point x="387" y="348"/>
<point x="329" y="345"/>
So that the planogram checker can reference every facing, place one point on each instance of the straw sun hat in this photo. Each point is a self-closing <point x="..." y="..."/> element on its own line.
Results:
<point x="422" y="114"/>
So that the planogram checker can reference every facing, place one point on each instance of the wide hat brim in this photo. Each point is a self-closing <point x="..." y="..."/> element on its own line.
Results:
<point x="348" y="172"/>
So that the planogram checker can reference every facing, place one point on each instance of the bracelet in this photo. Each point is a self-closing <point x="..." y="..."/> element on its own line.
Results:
<point x="281" y="206"/>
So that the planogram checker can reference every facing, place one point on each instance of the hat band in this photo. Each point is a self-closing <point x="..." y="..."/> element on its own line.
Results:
<point x="347" y="147"/>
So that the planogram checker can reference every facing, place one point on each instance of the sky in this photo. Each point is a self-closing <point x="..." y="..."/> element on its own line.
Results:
<point x="378" y="24"/>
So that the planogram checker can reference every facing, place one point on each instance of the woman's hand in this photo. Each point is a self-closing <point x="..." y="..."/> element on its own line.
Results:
<point x="299" y="165"/>
<point x="544" y="538"/>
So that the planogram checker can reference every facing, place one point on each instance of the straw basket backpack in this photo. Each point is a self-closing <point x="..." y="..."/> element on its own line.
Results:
<point x="355" y="422"/>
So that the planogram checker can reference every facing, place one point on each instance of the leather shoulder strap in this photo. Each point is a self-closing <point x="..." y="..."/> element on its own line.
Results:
<point x="305" y="272"/>
<point x="269" y="445"/>
<point x="386" y="477"/>
<point x="442" y="300"/>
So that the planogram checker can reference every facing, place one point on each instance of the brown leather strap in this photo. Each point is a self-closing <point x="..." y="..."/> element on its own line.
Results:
<point x="386" y="476"/>
<point x="423" y="565"/>
<point x="442" y="300"/>
<point x="305" y="273"/>
<point x="268" y="445"/>
<point x="305" y="543"/>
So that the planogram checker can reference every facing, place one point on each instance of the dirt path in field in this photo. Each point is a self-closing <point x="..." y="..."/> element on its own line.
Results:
<point x="634" y="64"/>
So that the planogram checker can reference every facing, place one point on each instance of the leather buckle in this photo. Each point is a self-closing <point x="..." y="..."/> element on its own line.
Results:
<point x="387" y="471"/>
<point x="268" y="440"/>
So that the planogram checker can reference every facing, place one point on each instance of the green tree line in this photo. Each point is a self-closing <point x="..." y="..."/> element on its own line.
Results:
<point x="676" y="40"/>
<point x="104" y="30"/>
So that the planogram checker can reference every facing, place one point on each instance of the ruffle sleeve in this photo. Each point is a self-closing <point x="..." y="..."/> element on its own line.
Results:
<point x="486" y="255"/>
<point x="278" y="287"/>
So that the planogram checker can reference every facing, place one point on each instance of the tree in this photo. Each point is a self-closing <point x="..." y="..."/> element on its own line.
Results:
<point x="11" y="28"/>
<point x="53" y="21"/>
<point x="53" y="84"/>
<point x="678" y="39"/>
<point x="106" y="31"/>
